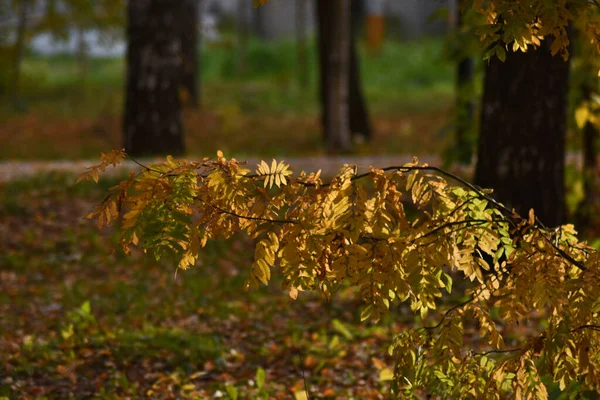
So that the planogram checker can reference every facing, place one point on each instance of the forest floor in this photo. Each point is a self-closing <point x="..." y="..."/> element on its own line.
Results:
<point x="79" y="319"/>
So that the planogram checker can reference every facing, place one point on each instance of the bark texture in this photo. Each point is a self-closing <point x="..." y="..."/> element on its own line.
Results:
<point x="464" y="102"/>
<point x="153" y="118"/>
<point x="339" y="138"/>
<point x="301" y="45"/>
<point x="521" y="151"/>
<point x="589" y="208"/>
<point x="189" y="42"/>
<point x="358" y="114"/>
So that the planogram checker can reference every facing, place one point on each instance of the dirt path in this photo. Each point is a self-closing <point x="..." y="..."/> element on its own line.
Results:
<point x="10" y="170"/>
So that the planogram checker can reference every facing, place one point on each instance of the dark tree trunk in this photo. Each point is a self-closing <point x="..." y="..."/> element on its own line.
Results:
<point x="522" y="140"/>
<point x="359" y="118"/>
<point x="464" y="101"/>
<point x="189" y="42"/>
<point x="153" y="119"/>
<point x="324" y="16"/>
<point x="339" y="138"/>
<point x="301" y="43"/>
<point x="19" y="52"/>
<point x="589" y="208"/>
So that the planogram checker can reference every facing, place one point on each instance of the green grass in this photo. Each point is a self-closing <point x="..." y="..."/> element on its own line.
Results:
<point x="412" y="74"/>
<point x="408" y="87"/>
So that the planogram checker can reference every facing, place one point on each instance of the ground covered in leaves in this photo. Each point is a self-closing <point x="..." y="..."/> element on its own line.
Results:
<point x="78" y="320"/>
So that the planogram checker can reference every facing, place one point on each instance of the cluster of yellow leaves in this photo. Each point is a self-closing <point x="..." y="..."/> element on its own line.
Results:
<point x="114" y="158"/>
<point x="520" y="24"/>
<point x="275" y="174"/>
<point x="354" y="231"/>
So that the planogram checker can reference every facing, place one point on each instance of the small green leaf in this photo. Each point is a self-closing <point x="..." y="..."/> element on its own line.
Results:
<point x="260" y="377"/>
<point x="232" y="392"/>
<point x="501" y="53"/>
<point x="341" y="328"/>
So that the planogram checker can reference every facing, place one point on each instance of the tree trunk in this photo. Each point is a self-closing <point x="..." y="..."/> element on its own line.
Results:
<point x="189" y="43"/>
<point x="464" y="100"/>
<point x="339" y="139"/>
<point x="19" y="52"/>
<point x="589" y="207"/>
<point x="153" y="119"/>
<point x="358" y="115"/>
<point x="301" y="43"/>
<point x="522" y="140"/>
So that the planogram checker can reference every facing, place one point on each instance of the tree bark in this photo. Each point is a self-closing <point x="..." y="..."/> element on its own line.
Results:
<point x="301" y="45"/>
<point x="339" y="139"/>
<point x="589" y="207"/>
<point x="19" y="52"/>
<point x="189" y="42"/>
<point x="153" y="119"/>
<point x="464" y="101"/>
<point x="358" y="114"/>
<point x="521" y="151"/>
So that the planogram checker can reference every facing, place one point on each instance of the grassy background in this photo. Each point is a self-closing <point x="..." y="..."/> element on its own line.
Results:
<point x="408" y="86"/>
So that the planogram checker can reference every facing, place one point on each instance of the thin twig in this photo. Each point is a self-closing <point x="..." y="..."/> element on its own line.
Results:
<point x="464" y="303"/>
<point x="485" y="353"/>
<point x="277" y="221"/>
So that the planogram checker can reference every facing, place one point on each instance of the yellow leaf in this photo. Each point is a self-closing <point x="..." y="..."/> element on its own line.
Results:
<point x="582" y="115"/>
<point x="262" y="271"/>
<point x="379" y="364"/>
<point x="386" y="374"/>
<point x="273" y="167"/>
<point x="219" y="153"/>
<point x="293" y="293"/>
<point x="263" y="168"/>
<point x="300" y="395"/>
<point x="531" y="217"/>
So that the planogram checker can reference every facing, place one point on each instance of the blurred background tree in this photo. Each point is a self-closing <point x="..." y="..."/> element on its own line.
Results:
<point x="415" y="85"/>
